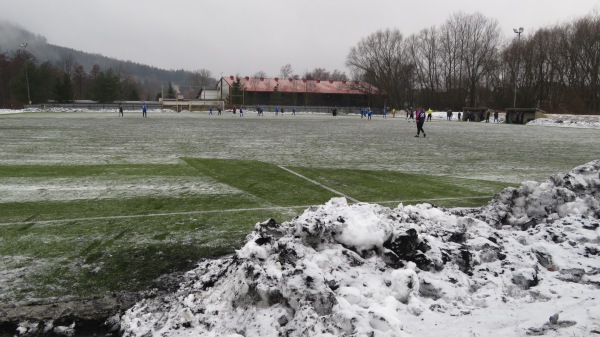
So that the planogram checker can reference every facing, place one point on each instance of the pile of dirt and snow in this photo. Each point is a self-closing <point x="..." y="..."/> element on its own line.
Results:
<point x="526" y="264"/>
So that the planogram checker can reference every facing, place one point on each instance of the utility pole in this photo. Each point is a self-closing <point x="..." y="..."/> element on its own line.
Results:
<point x="24" y="45"/>
<point x="518" y="32"/>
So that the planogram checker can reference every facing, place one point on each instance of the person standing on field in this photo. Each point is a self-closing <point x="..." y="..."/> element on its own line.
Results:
<point x="429" y="112"/>
<point x="420" y="119"/>
<point x="120" y="110"/>
<point x="144" y="109"/>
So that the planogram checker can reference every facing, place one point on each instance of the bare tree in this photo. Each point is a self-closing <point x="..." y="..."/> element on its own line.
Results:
<point x="260" y="74"/>
<point x="380" y="59"/>
<point x="424" y="49"/>
<point x="286" y="71"/>
<point x="585" y="39"/>
<point x="67" y="64"/>
<point x="317" y="74"/>
<point x="482" y="38"/>
<point x="338" y="75"/>
<point x="451" y="48"/>
<point x="201" y="78"/>
<point x="536" y="74"/>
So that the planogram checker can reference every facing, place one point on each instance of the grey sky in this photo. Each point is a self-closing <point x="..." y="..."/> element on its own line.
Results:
<point x="243" y="37"/>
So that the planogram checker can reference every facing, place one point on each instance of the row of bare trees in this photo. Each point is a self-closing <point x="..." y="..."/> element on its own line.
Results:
<point x="467" y="62"/>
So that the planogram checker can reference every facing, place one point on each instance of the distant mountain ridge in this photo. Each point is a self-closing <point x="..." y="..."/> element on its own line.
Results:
<point x="12" y="36"/>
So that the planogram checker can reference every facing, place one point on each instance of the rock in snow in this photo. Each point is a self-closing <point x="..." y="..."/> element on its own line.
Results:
<point x="368" y="270"/>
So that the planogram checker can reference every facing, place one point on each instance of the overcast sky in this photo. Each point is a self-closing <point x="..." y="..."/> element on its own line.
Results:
<point x="242" y="37"/>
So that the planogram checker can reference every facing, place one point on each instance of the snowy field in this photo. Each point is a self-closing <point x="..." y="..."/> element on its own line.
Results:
<point x="501" y="152"/>
<point x="526" y="264"/>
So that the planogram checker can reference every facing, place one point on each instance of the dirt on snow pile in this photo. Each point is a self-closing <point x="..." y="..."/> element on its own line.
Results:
<point x="526" y="264"/>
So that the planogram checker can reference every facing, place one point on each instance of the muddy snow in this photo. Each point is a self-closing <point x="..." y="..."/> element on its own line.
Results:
<point x="525" y="264"/>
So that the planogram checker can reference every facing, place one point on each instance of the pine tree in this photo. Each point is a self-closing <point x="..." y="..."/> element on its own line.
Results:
<point x="106" y="87"/>
<point x="63" y="91"/>
<point x="236" y="93"/>
<point x="171" y="91"/>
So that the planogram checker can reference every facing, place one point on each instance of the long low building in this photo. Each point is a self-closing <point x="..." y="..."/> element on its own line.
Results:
<point x="273" y="91"/>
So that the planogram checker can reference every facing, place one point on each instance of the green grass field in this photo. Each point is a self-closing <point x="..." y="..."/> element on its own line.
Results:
<point x="92" y="246"/>
<point x="91" y="204"/>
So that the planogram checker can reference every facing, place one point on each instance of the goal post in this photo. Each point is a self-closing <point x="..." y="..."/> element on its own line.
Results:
<point x="203" y="105"/>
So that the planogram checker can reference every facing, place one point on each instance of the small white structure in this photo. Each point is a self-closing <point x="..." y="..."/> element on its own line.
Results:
<point x="203" y="101"/>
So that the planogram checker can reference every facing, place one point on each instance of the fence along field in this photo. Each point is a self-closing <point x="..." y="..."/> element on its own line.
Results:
<point x="97" y="203"/>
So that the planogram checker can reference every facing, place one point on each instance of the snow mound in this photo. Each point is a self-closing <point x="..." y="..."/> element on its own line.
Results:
<point x="573" y="121"/>
<point x="577" y="192"/>
<point x="511" y="267"/>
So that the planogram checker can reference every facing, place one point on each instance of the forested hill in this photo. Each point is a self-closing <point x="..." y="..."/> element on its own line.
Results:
<point x="12" y="36"/>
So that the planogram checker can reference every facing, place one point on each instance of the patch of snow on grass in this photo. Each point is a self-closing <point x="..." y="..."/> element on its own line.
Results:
<point x="62" y="189"/>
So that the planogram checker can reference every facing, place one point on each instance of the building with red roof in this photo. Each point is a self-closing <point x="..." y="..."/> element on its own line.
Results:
<point x="273" y="91"/>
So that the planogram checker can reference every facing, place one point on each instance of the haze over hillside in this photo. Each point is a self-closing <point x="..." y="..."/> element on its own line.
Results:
<point x="12" y="36"/>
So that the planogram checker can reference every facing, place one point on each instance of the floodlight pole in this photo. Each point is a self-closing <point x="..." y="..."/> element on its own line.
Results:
<point x="518" y="32"/>
<point x="24" y="45"/>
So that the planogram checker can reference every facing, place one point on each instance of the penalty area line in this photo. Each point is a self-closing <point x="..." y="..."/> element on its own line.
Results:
<point x="233" y="210"/>
<point x="114" y="217"/>
<point x="432" y="199"/>
<point x="318" y="184"/>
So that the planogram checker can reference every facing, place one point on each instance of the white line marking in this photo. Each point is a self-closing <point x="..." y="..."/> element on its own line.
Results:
<point x="434" y="199"/>
<point x="113" y="217"/>
<point x="318" y="184"/>
<point x="42" y="222"/>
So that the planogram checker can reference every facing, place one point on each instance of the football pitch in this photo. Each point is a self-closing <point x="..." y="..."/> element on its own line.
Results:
<point x="92" y="203"/>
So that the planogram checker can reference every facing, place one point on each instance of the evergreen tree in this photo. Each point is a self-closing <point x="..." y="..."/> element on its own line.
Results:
<point x="171" y="91"/>
<point x="63" y="91"/>
<point x="130" y="91"/>
<point x="236" y="97"/>
<point x="80" y="80"/>
<point x="106" y="87"/>
<point x="38" y="83"/>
